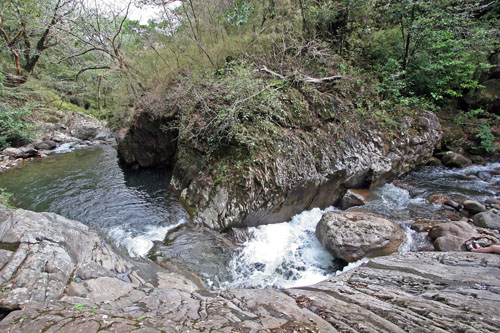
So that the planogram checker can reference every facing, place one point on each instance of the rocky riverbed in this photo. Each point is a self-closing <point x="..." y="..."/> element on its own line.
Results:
<point x="73" y="131"/>
<point x="58" y="275"/>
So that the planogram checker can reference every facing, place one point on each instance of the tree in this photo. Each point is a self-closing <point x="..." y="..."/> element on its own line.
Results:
<point x="442" y="49"/>
<point x="29" y="28"/>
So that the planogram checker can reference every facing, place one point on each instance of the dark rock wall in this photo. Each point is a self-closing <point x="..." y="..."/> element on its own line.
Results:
<point x="148" y="142"/>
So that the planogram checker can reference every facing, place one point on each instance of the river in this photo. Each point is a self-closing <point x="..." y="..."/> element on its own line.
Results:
<point x="135" y="210"/>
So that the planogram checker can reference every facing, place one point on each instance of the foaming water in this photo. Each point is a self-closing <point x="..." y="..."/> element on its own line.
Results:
<point x="133" y="209"/>
<point x="282" y="255"/>
<point x="139" y="245"/>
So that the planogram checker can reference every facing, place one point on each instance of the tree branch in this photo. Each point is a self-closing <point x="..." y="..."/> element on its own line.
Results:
<point x="81" y="71"/>
<point x="304" y="78"/>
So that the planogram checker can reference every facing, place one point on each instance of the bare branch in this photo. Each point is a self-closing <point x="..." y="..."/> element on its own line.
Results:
<point x="267" y="70"/>
<point x="90" y="69"/>
<point x="304" y="78"/>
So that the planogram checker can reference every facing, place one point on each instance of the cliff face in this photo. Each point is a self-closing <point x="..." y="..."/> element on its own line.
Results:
<point x="58" y="276"/>
<point x="300" y="167"/>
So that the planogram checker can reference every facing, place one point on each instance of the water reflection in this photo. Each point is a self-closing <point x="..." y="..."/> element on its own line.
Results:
<point x="132" y="208"/>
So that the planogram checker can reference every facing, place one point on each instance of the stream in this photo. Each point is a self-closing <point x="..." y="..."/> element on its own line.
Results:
<point x="136" y="211"/>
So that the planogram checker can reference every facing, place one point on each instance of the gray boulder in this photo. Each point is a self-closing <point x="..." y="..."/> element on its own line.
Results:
<point x="354" y="235"/>
<point x="489" y="219"/>
<point x="473" y="206"/>
<point x="46" y="145"/>
<point x="21" y="152"/>
<point x="452" y="159"/>
<point x="83" y="127"/>
<point x="12" y="152"/>
<point x="451" y="236"/>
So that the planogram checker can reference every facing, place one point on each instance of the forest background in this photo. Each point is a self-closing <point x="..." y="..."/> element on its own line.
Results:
<point x="384" y="58"/>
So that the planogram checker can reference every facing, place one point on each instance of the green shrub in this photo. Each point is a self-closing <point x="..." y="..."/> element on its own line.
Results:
<point x="486" y="137"/>
<point x="5" y="198"/>
<point x="14" y="129"/>
<point x="2" y="81"/>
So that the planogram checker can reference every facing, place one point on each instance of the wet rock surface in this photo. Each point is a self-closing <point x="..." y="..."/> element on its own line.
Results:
<point x="354" y="197"/>
<point x="60" y="276"/>
<point x="352" y="236"/>
<point x="454" y="160"/>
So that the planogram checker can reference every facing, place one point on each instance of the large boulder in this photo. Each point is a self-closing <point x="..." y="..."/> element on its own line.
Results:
<point x="299" y="172"/>
<point x="489" y="219"/>
<point x="354" y="235"/>
<point x="82" y="126"/>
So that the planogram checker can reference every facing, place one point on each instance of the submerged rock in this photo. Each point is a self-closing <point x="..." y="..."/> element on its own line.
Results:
<point x="438" y="199"/>
<point x="58" y="275"/>
<point x="354" y="235"/>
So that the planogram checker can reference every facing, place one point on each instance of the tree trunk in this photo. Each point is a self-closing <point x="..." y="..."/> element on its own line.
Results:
<point x="99" y="94"/>
<point x="408" y="37"/>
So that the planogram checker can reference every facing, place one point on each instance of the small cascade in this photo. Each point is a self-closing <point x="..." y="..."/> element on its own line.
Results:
<point x="282" y="255"/>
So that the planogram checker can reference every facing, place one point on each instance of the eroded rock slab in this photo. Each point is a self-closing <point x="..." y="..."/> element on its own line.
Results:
<point x="59" y="276"/>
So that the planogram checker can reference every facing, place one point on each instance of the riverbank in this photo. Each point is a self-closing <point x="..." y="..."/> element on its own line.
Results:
<point x="95" y="289"/>
<point x="71" y="131"/>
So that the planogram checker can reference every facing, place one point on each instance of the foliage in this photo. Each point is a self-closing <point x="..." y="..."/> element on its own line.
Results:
<point x="231" y="109"/>
<point x="203" y="56"/>
<point x="5" y="198"/>
<point x="2" y="81"/>
<point x="436" y="49"/>
<point x="486" y="138"/>
<point x="14" y="129"/>
<point x="240" y="13"/>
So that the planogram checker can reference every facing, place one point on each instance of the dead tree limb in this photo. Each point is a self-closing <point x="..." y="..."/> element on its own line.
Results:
<point x="303" y="78"/>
